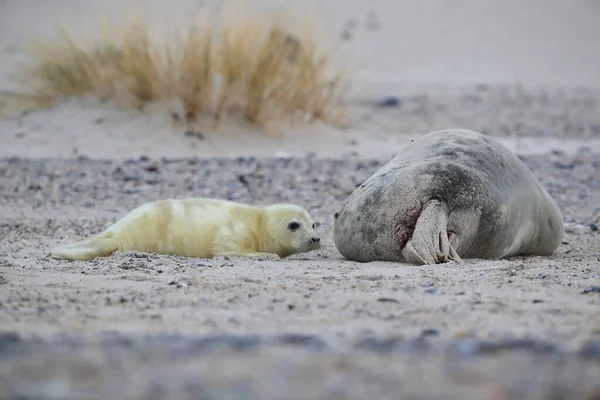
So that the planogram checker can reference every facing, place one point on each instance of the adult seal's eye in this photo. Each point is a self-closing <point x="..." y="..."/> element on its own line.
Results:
<point x="293" y="226"/>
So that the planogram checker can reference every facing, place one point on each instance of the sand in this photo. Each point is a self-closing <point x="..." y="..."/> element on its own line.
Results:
<point x="315" y="325"/>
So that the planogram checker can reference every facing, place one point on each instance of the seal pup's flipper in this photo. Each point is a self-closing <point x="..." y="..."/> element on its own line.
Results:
<point x="85" y="250"/>
<point x="431" y="243"/>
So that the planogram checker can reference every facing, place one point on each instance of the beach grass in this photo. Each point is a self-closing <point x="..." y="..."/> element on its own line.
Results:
<point x="236" y="64"/>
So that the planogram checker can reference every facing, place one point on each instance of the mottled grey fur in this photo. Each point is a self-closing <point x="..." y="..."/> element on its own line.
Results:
<point x="451" y="194"/>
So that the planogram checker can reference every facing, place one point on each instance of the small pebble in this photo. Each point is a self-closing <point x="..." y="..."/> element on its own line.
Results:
<point x="591" y="289"/>
<point x="389" y="102"/>
<point x="387" y="300"/>
<point x="564" y="165"/>
<point x="429" y="332"/>
<point x="197" y="135"/>
<point x="152" y="168"/>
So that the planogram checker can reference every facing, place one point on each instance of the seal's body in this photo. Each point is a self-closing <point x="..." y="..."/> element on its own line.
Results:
<point x="203" y="228"/>
<point x="450" y="194"/>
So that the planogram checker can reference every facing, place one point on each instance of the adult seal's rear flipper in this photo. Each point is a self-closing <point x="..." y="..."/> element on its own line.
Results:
<point x="431" y="243"/>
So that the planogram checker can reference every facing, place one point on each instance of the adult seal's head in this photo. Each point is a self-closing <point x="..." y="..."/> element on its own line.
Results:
<point x="449" y="195"/>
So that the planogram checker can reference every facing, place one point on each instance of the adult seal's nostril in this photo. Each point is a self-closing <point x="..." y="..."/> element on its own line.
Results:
<point x="316" y="239"/>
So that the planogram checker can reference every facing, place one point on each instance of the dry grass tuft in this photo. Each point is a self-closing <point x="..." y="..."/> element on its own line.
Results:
<point x="236" y="65"/>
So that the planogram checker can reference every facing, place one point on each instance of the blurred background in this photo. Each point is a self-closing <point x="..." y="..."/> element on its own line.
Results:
<point x="550" y="42"/>
<point x="526" y="68"/>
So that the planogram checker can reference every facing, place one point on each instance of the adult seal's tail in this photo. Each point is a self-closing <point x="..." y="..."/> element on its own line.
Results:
<point x="451" y="194"/>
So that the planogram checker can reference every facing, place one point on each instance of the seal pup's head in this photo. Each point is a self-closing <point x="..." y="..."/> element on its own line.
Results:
<point x="291" y="230"/>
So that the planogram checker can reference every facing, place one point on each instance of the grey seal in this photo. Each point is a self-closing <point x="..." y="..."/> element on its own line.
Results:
<point x="451" y="194"/>
<point x="204" y="228"/>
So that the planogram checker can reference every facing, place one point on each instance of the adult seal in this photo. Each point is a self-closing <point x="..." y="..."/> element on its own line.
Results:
<point x="449" y="195"/>
<point x="200" y="227"/>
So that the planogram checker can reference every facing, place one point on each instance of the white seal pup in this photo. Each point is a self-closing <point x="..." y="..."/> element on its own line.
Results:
<point x="198" y="227"/>
<point x="450" y="194"/>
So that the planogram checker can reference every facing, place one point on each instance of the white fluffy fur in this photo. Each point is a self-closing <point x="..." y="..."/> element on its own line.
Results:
<point x="198" y="227"/>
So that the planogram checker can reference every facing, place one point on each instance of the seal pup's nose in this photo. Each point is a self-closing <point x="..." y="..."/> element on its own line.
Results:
<point x="315" y="239"/>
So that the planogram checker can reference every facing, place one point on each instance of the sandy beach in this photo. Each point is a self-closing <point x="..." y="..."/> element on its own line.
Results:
<point x="314" y="326"/>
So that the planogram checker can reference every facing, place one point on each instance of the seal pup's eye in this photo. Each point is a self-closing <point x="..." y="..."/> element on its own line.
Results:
<point x="314" y="226"/>
<point x="293" y="226"/>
